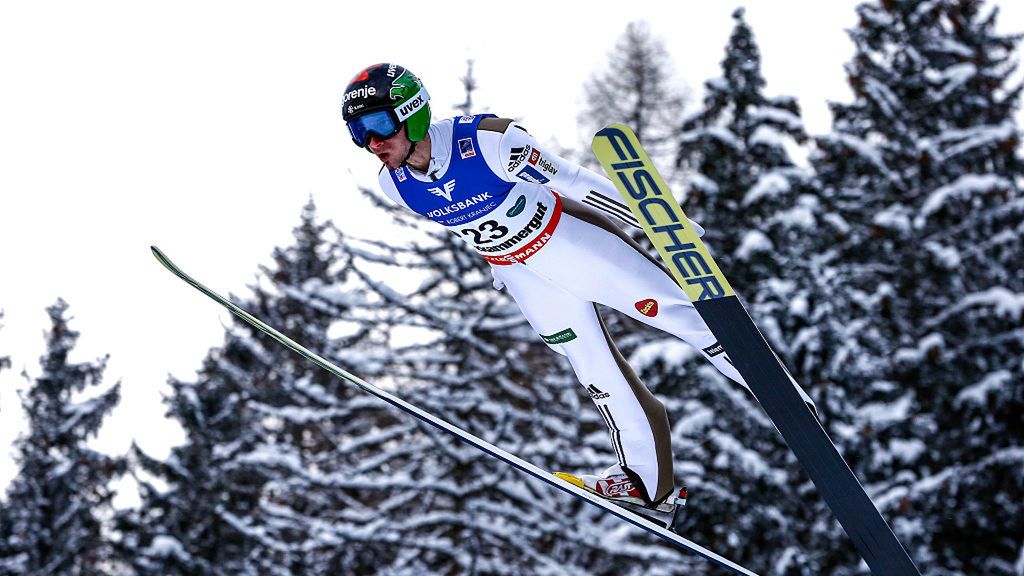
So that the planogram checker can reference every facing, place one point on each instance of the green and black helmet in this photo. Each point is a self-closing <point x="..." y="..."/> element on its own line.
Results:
<point x="383" y="98"/>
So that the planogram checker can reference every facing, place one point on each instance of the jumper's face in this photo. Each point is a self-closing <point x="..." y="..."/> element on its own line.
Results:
<point x="391" y="151"/>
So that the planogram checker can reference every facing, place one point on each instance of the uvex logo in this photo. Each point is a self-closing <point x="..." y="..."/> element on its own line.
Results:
<point x="648" y="307"/>
<point x="412" y="106"/>
<point x="714" y="350"/>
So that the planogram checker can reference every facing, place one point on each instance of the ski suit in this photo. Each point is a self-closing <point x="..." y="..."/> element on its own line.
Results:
<point x="540" y="221"/>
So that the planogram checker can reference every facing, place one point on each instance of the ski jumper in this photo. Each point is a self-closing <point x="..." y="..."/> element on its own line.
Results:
<point x="540" y="221"/>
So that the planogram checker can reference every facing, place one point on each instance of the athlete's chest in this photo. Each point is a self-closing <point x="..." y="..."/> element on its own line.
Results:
<point x="465" y="190"/>
<point x="462" y="193"/>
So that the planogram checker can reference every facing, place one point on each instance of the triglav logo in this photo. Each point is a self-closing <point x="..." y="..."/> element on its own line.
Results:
<point x="543" y="163"/>
<point x="446" y="193"/>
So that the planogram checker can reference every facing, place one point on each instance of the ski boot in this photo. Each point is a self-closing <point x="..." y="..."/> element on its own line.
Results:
<point x="613" y="485"/>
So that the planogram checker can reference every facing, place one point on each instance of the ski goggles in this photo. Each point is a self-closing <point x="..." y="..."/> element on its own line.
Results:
<point x="383" y="124"/>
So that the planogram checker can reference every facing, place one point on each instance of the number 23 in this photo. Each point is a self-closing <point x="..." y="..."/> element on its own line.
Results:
<point x="490" y="227"/>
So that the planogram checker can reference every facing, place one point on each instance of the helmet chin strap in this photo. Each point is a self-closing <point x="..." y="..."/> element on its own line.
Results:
<point x="405" y="161"/>
<point x="412" y="149"/>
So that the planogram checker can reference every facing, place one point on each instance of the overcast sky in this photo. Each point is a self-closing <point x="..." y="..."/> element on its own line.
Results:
<point x="204" y="127"/>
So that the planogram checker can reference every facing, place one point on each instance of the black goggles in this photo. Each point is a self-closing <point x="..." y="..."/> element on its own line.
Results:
<point x="383" y="124"/>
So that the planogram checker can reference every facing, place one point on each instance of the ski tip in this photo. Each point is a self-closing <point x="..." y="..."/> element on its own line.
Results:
<point x="157" y="252"/>
<point x="162" y="258"/>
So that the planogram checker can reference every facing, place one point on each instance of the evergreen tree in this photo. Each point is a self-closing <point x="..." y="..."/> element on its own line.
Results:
<point x="270" y="480"/>
<point x="924" y="168"/>
<point x="320" y="509"/>
<point x="743" y="186"/>
<point x="52" y="519"/>
<point x="193" y="525"/>
<point x="637" y="89"/>
<point x="762" y="214"/>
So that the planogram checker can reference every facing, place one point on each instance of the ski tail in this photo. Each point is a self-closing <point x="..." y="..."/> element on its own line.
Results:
<point x="637" y="520"/>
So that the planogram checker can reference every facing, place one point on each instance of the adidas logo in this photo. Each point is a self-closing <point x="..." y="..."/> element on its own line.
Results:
<point x="516" y="156"/>
<point x="596" y="394"/>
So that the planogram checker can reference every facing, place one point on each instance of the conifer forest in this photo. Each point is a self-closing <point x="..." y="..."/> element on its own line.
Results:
<point x="883" y="260"/>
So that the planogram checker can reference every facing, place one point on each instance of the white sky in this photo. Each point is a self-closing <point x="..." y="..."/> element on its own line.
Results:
<point x="204" y="127"/>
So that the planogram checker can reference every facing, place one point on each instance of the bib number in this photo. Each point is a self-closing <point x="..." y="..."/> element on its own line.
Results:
<point x="486" y="232"/>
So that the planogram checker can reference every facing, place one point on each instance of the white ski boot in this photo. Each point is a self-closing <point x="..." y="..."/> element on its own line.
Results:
<point x="613" y="485"/>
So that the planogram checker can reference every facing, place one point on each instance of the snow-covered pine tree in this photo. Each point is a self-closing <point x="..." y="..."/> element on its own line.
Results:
<point x="181" y="526"/>
<point x="762" y="215"/>
<point x="53" y="516"/>
<point x="742" y="184"/>
<point x="925" y="168"/>
<point x="270" y="479"/>
<point x="319" y="512"/>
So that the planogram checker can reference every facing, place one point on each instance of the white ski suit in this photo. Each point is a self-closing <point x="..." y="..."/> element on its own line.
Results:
<point x="532" y="215"/>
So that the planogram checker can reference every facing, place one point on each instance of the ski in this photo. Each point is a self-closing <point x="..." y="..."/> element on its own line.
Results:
<point x="650" y="525"/>
<point x="649" y="198"/>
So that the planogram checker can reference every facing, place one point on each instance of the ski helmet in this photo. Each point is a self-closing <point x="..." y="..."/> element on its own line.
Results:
<point x="381" y="99"/>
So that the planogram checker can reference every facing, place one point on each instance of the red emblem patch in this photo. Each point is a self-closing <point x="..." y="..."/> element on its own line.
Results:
<point x="534" y="156"/>
<point x="647" y="307"/>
